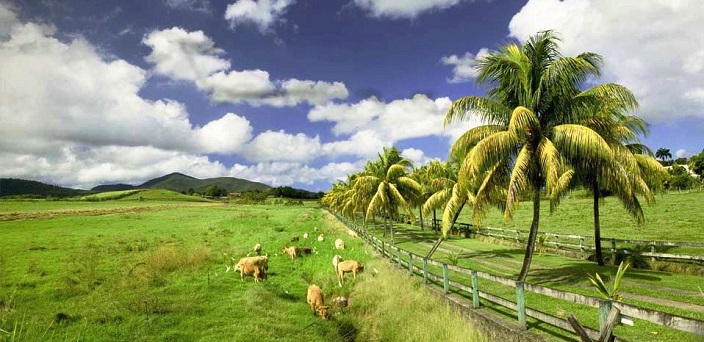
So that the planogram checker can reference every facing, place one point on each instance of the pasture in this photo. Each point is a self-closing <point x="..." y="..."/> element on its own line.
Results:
<point x="155" y="270"/>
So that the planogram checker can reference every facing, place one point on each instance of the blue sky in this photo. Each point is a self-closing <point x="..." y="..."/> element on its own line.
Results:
<point x="300" y="93"/>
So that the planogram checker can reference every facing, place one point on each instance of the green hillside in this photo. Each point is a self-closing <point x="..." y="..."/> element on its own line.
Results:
<point x="28" y="188"/>
<point x="179" y="182"/>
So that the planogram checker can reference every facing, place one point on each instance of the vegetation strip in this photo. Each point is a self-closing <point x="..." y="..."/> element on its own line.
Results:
<point x="12" y="216"/>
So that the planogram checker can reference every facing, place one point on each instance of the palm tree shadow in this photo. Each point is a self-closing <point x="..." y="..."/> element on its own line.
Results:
<point x="579" y="271"/>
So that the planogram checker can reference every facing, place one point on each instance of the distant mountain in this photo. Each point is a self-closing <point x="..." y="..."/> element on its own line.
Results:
<point x="180" y="183"/>
<point x="112" y="187"/>
<point x="29" y="188"/>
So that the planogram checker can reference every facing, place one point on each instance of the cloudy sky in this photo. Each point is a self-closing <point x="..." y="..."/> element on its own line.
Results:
<point x="299" y="92"/>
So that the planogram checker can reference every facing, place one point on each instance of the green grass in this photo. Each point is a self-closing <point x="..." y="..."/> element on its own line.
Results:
<point x="663" y="289"/>
<point x="674" y="217"/>
<point x="159" y="275"/>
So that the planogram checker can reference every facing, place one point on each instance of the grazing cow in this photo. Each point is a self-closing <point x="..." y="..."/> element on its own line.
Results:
<point x="294" y="239"/>
<point x="315" y="300"/>
<point x="352" y="233"/>
<point x="347" y="266"/>
<point x="258" y="249"/>
<point x="291" y="251"/>
<point x="321" y="238"/>
<point x="339" y="244"/>
<point x="305" y="235"/>
<point x="315" y="229"/>
<point x="303" y="250"/>
<point x="254" y="266"/>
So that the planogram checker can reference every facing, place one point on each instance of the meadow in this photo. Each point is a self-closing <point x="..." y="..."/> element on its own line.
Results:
<point x="155" y="270"/>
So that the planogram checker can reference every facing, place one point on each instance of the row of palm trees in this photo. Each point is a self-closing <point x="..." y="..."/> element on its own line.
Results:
<point x="542" y="134"/>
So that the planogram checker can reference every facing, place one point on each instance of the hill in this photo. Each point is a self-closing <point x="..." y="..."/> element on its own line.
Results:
<point x="30" y="188"/>
<point x="179" y="182"/>
<point x="112" y="187"/>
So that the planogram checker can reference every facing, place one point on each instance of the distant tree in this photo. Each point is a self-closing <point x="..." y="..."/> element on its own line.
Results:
<point x="681" y="161"/>
<point x="215" y="191"/>
<point x="680" y="179"/>
<point x="663" y="154"/>
<point x="190" y="191"/>
<point x="696" y="164"/>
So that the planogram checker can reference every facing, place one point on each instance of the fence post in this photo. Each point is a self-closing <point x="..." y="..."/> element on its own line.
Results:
<point x="410" y="264"/>
<point x="521" y="304"/>
<point x="652" y="250"/>
<point x="445" y="279"/>
<point x="518" y="236"/>
<point x="581" y="246"/>
<point x="475" y="289"/>
<point x="557" y="242"/>
<point x="604" y="310"/>
<point x="613" y="252"/>
<point x="425" y="271"/>
<point x="399" y="257"/>
<point x="383" y="250"/>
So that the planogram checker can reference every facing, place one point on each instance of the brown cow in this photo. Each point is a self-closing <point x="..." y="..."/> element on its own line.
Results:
<point x="315" y="300"/>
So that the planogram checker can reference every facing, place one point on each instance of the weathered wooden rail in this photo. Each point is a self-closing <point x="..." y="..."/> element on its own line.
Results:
<point x="580" y="243"/>
<point x="628" y="312"/>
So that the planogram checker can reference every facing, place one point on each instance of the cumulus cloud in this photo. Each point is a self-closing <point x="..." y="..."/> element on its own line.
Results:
<point x="8" y="19"/>
<point x="183" y="55"/>
<point x="681" y="153"/>
<point x="406" y="9"/>
<point x="192" y="56"/>
<point x="288" y="173"/>
<point x="657" y="50"/>
<point x="417" y="156"/>
<point x="263" y="13"/>
<point x="463" y="69"/>
<point x="272" y="146"/>
<point x="366" y="143"/>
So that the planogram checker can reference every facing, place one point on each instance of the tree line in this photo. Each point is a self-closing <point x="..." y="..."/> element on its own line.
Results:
<point x="544" y="133"/>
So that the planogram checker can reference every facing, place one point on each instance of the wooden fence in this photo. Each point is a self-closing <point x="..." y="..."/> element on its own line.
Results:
<point x="579" y="243"/>
<point x="405" y="259"/>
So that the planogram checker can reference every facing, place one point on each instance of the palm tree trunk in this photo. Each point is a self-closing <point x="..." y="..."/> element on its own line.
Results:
<point x="452" y="227"/>
<point x="597" y="227"/>
<point x="530" y="245"/>
<point x="434" y="220"/>
<point x="391" y="229"/>
<point x="386" y="219"/>
<point x="421" y="217"/>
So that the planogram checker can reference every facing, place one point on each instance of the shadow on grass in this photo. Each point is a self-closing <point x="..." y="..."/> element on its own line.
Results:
<point x="574" y="273"/>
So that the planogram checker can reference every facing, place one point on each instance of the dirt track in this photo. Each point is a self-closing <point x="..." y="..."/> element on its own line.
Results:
<point x="13" y="216"/>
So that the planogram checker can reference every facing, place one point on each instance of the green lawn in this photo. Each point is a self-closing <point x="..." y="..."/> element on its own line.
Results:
<point x="158" y="274"/>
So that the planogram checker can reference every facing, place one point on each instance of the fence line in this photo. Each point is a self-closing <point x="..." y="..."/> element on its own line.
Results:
<point x="396" y="255"/>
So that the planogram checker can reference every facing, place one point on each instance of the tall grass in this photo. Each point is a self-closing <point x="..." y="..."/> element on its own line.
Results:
<point x="390" y="306"/>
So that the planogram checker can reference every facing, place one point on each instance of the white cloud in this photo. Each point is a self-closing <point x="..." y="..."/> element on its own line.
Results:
<point x="272" y="146"/>
<point x="288" y="173"/>
<point x="417" y="156"/>
<point x="8" y="19"/>
<point x="237" y="86"/>
<point x="293" y="91"/>
<point x="464" y="66"/>
<point x="226" y="135"/>
<point x="192" y="56"/>
<point x="263" y="13"/>
<point x="681" y="153"/>
<point x="409" y="9"/>
<point x="192" y="5"/>
<point x="656" y="50"/>
<point x="364" y="143"/>
<point x="184" y="55"/>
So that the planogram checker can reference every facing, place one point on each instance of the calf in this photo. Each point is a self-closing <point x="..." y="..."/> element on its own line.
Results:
<point x="352" y="233"/>
<point x="315" y="300"/>
<point x="305" y="235"/>
<point x="303" y="250"/>
<point x="294" y="239"/>
<point x="256" y="268"/>
<point x="339" y="244"/>
<point x="321" y="238"/>
<point x="347" y="266"/>
<point x="291" y="251"/>
<point x="258" y="249"/>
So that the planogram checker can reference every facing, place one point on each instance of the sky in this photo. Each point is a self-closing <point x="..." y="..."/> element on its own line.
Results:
<point x="300" y="93"/>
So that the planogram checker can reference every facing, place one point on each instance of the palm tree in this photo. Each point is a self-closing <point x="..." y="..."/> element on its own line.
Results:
<point x="663" y="154"/>
<point x="532" y="125"/>
<point x="420" y="175"/>
<point x="386" y="185"/>
<point x="632" y="171"/>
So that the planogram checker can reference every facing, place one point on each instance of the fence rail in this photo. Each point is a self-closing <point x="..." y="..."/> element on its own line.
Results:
<point x="404" y="259"/>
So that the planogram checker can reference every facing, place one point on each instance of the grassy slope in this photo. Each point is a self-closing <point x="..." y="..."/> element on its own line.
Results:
<point x="675" y="217"/>
<point x="160" y="275"/>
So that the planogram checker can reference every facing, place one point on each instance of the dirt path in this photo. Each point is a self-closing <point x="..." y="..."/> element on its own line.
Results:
<point x="12" y="216"/>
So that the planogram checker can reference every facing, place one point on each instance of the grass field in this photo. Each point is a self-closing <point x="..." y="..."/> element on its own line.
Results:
<point x="155" y="270"/>
<point x="674" y="217"/>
